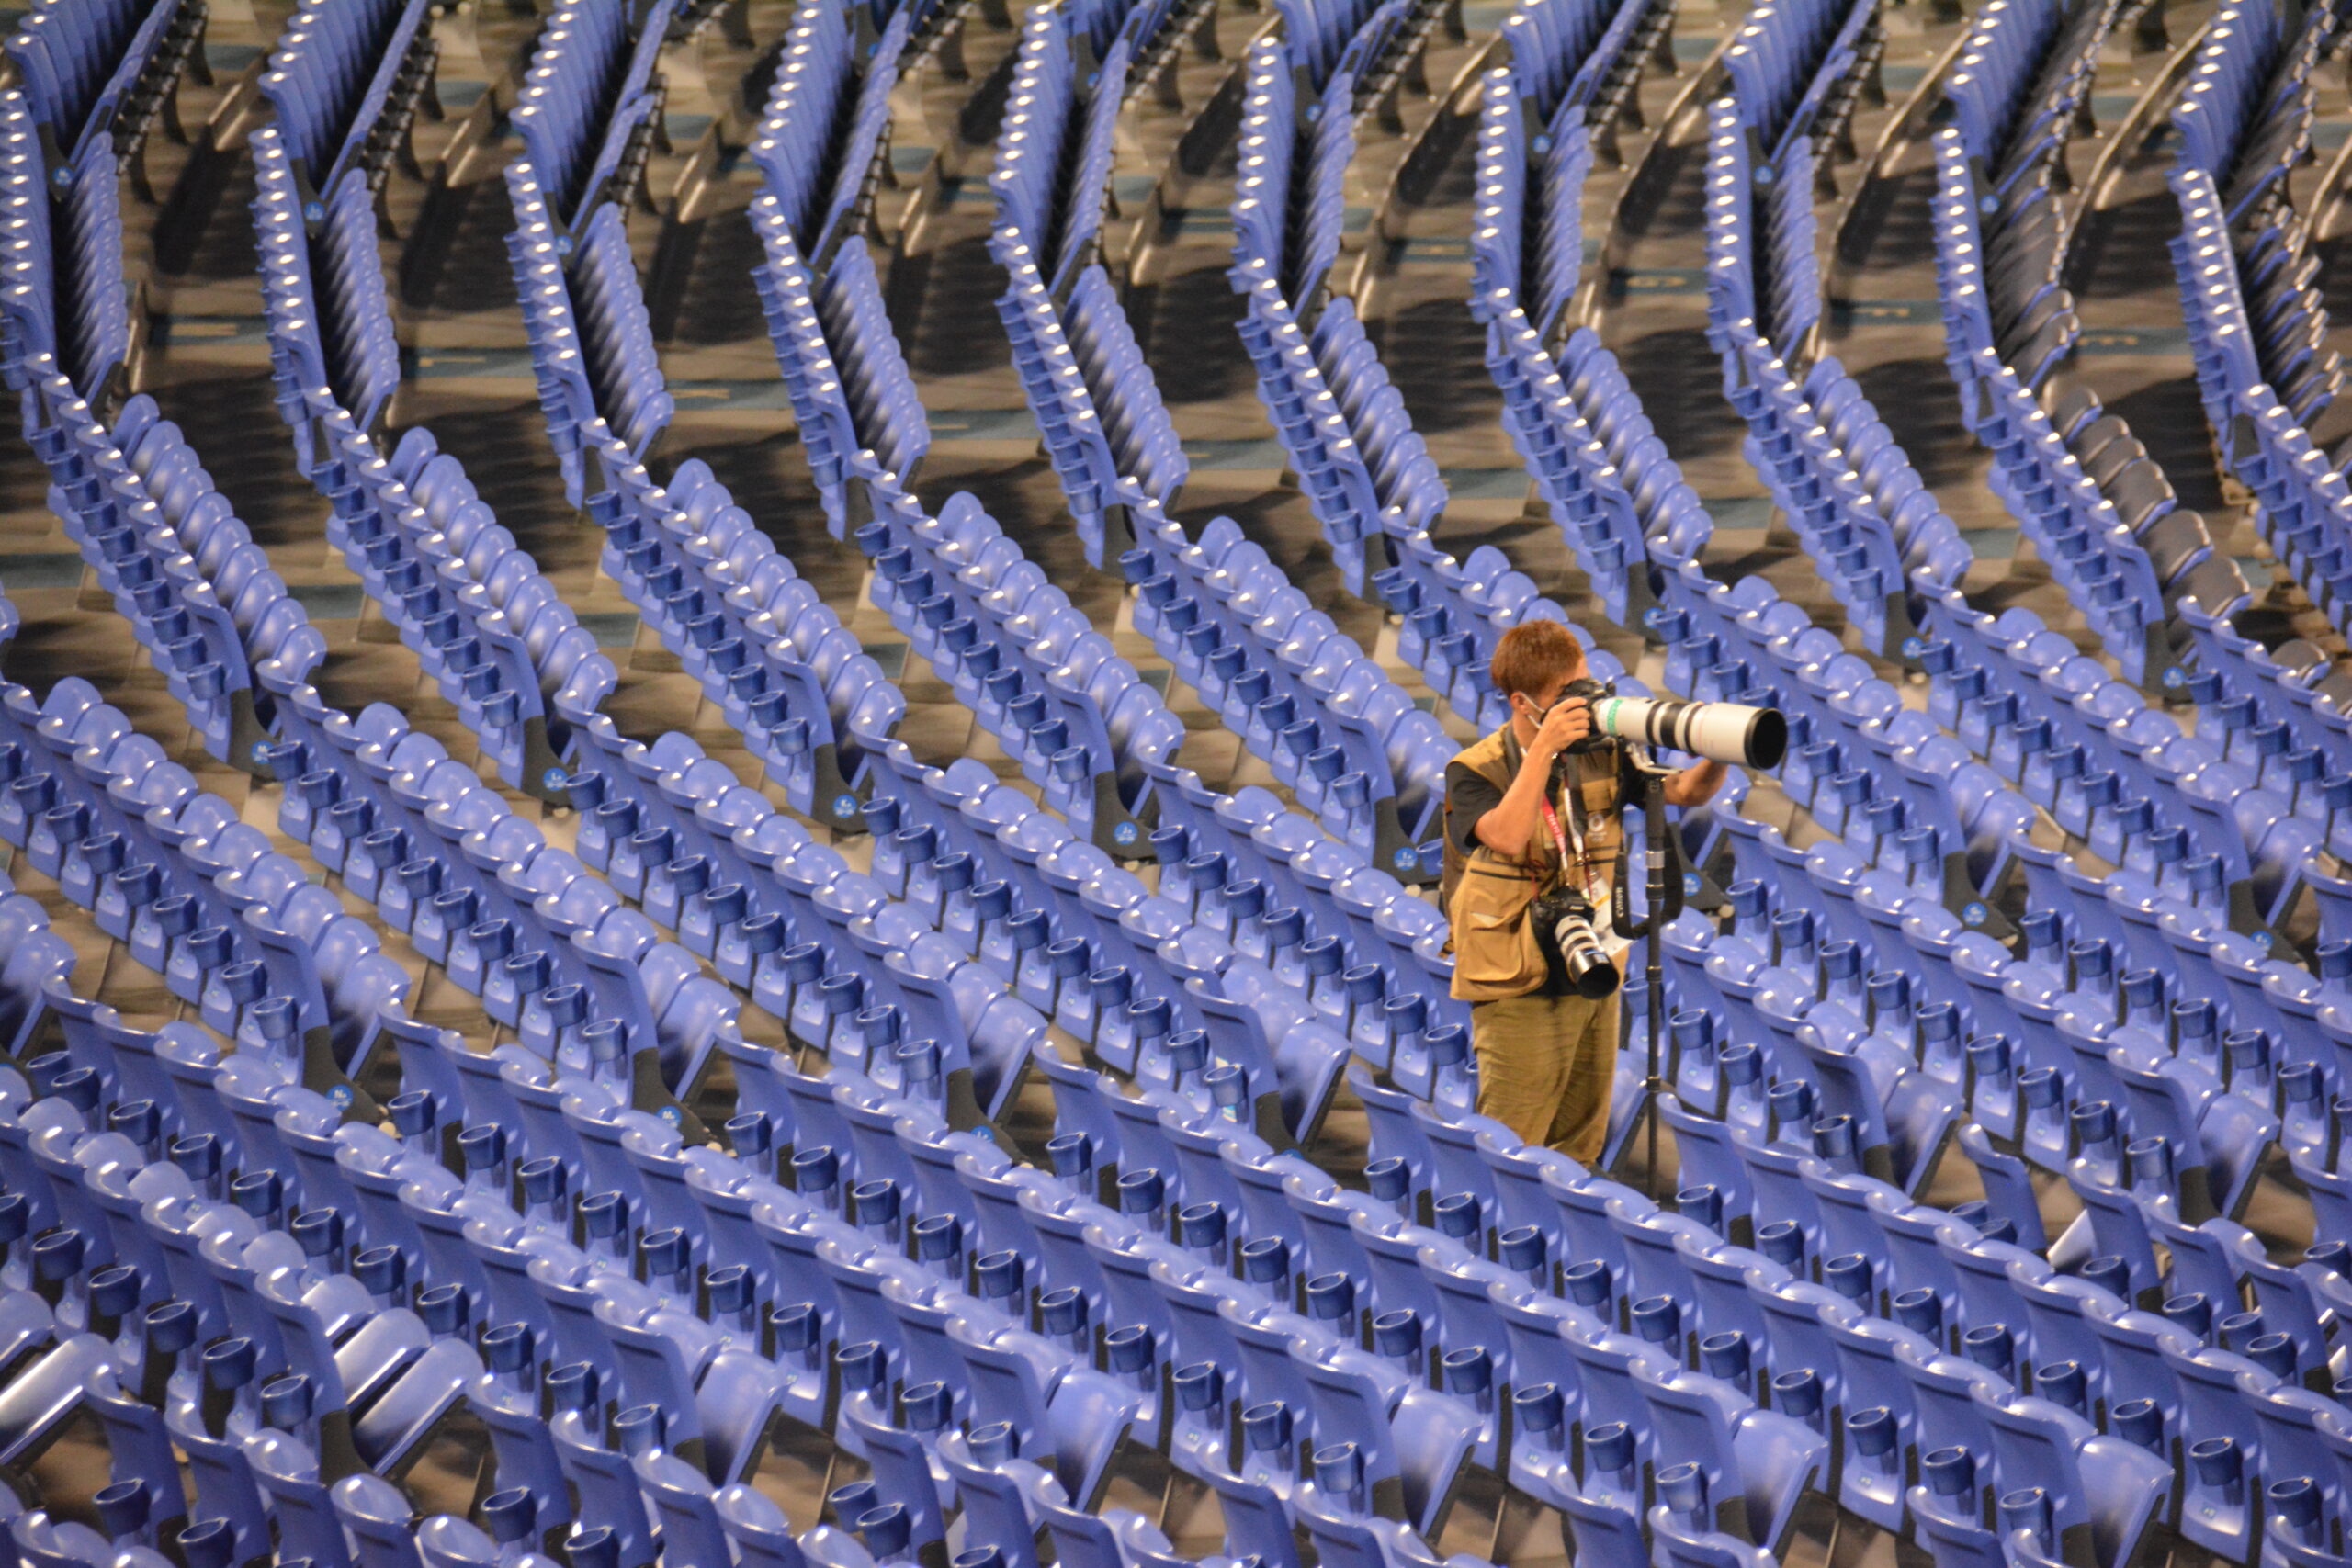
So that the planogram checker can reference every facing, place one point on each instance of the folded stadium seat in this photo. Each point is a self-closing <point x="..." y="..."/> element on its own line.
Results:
<point x="1003" y="1496"/>
<point x="1946" y="1511"/>
<point x="2293" y="1524"/>
<point x="1756" y="1463"/>
<point x="2137" y="1343"/>
<point x="2217" y="1386"/>
<point x="46" y="1543"/>
<point x="2103" y="1488"/>
<point x="1610" y="1393"/>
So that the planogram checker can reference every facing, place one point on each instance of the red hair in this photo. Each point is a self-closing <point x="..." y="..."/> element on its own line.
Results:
<point x="1533" y="655"/>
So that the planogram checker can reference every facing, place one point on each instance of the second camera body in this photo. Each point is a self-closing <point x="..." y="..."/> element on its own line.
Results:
<point x="1580" y="965"/>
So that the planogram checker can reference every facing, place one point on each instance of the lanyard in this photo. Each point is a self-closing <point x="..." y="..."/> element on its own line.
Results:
<point x="1560" y="842"/>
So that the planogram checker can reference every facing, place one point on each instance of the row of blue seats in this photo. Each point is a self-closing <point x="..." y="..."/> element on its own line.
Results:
<point x="1287" y="211"/>
<point x="1505" y="260"/>
<point x="2018" y="92"/>
<point x="815" y="67"/>
<point x="2245" y="120"/>
<point x="860" y="418"/>
<point x="1105" y="426"/>
<point x="1289" y="195"/>
<point x="344" y="85"/>
<point x="1845" y="491"/>
<point x="1319" y="34"/>
<point x="106" y="68"/>
<point x="333" y="77"/>
<point x="2020" y="96"/>
<point x="62" y="296"/>
<point x="1143" y="439"/>
<point x="818" y="159"/>
<point x="1593" y="456"/>
<point x="1366" y="472"/>
<point x="1572" y="66"/>
<point x="485" y="622"/>
<point x="592" y="341"/>
<point x="1618" y="497"/>
<point x="135" y="518"/>
<point x="2244" y="114"/>
<point x="1456" y="610"/>
<point x="1783" y="62"/>
<point x="1848" y="489"/>
<point x="1100" y="418"/>
<point x="347" y="357"/>
<point x="1366" y="485"/>
<point x="2109" y="570"/>
<point x="1788" y="67"/>
<point x="2289" y="321"/>
<point x="2289" y="314"/>
<point x="1761" y="237"/>
<point x="2137" y="770"/>
<point x="1052" y="170"/>
<point x="812" y="707"/>
<point x="589" y="90"/>
<point x="1555" y="51"/>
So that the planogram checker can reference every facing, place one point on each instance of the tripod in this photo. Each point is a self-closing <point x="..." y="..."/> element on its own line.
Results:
<point x="1662" y="860"/>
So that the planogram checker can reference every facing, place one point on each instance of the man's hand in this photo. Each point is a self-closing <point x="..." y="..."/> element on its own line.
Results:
<point x="1570" y="722"/>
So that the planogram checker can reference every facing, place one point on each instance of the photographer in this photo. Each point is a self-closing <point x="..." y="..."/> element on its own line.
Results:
<point x="1531" y="811"/>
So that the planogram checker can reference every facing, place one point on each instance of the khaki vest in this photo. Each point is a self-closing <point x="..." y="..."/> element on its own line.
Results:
<point x="1486" y="895"/>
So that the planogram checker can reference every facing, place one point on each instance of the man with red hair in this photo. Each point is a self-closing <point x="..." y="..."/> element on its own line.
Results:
<point x="1531" y="809"/>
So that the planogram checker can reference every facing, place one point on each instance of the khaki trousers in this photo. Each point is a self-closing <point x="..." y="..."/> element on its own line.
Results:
<point x="1546" y="1066"/>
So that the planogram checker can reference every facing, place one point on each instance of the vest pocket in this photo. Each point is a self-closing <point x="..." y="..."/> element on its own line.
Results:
<point x="1599" y="797"/>
<point x="1495" y="951"/>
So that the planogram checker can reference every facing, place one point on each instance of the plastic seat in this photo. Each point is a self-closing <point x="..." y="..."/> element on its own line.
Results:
<point x="2104" y="1491"/>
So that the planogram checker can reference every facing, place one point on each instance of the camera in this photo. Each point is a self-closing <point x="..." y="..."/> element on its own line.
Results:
<point x="1580" y="965"/>
<point x="1720" y="732"/>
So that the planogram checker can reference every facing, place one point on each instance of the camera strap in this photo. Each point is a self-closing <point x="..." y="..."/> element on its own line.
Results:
<point x="1569" y="857"/>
